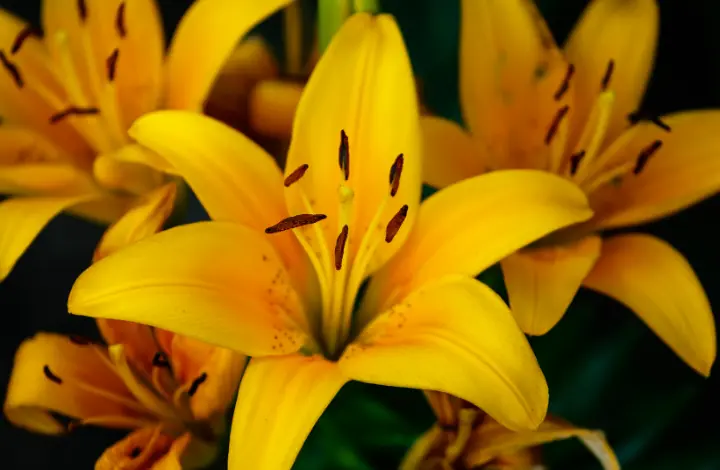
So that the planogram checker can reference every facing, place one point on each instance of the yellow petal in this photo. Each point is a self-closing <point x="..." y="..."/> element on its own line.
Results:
<point x="655" y="281"/>
<point x="143" y="220"/>
<point x="138" y="341"/>
<point x="510" y="72"/>
<point x="271" y="107"/>
<point x="449" y="153"/>
<point x="140" y="450"/>
<point x="624" y="31"/>
<point x="204" y="39"/>
<point x="79" y="382"/>
<point x="22" y="145"/>
<point x="542" y="282"/>
<point x="467" y="227"/>
<point x="454" y="336"/>
<point x="491" y="440"/>
<point x="683" y="171"/>
<point x="279" y="402"/>
<point x="21" y="219"/>
<point x="45" y="179"/>
<point x="218" y="282"/>
<point x="363" y="85"/>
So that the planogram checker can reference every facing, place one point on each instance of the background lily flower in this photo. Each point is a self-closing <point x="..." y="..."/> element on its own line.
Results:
<point x="467" y="437"/>
<point x="574" y="113"/>
<point x="277" y="273"/>
<point x="69" y="97"/>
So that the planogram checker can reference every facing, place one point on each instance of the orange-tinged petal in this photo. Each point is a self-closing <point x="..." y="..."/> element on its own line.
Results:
<point x="21" y="219"/>
<point x="187" y="452"/>
<point x="449" y="153"/>
<point x="140" y="346"/>
<point x="622" y="31"/>
<point x="656" y="282"/>
<point x="542" y="282"/>
<point x="363" y="85"/>
<point x="271" y="107"/>
<point x="204" y="39"/>
<point x="684" y="170"/>
<point x="54" y="374"/>
<point x="218" y="282"/>
<point x="22" y="145"/>
<point x="279" y="402"/>
<point x="454" y="336"/>
<point x="510" y="73"/>
<point x="141" y="449"/>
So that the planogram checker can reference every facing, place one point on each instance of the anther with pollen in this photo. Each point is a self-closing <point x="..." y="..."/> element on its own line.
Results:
<point x="160" y="359"/>
<point x="556" y="124"/>
<point x="12" y="70"/>
<point x="340" y="247"/>
<point x="196" y="383"/>
<point x="295" y="221"/>
<point x="120" y="21"/>
<point x="50" y="376"/>
<point x="72" y="111"/>
<point x="575" y="160"/>
<point x="298" y="173"/>
<point x="638" y="116"/>
<point x="344" y="155"/>
<point x="565" y="83"/>
<point x="80" y="340"/>
<point x="393" y="227"/>
<point x="645" y="155"/>
<point x="608" y="75"/>
<point x="111" y="64"/>
<point x="26" y="32"/>
<point x="395" y="174"/>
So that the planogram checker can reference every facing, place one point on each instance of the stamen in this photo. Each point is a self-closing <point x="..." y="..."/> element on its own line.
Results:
<point x="575" y="160"/>
<point x="111" y="64"/>
<point x="12" y="70"/>
<point x="73" y="110"/>
<point x="296" y="175"/>
<point x="196" y="383"/>
<point x="608" y="74"/>
<point x="556" y="123"/>
<point x="51" y="377"/>
<point x="160" y="359"/>
<point x="395" y="173"/>
<point x="120" y="20"/>
<point x="135" y="452"/>
<point x="645" y="155"/>
<point x="344" y="155"/>
<point x="638" y="116"/>
<point x="393" y="227"/>
<point x="82" y="10"/>
<point x="80" y="340"/>
<point x="565" y="83"/>
<point x="26" y="32"/>
<point x="340" y="247"/>
<point x="295" y="221"/>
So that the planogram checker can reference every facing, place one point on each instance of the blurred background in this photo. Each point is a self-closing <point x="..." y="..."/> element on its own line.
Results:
<point x="605" y="369"/>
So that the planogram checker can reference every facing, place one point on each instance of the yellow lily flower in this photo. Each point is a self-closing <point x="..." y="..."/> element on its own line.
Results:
<point x="68" y="99"/>
<point x="464" y="437"/>
<point x="285" y="292"/>
<point x="573" y="112"/>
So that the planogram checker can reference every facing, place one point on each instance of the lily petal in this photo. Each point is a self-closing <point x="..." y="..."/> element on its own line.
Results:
<point x="683" y="171"/>
<point x="454" y="336"/>
<point x="279" y="402"/>
<point x="45" y="180"/>
<point x="363" y="84"/>
<point x="203" y="41"/>
<point x="449" y="153"/>
<point x="21" y="219"/>
<point x="655" y="281"/>
<point x="542" y="282"/>
<point x="141" y="449"/>
<point x="626" y="32"/>
<point x="219" y="282"/>
<point x="138" y="341"/>
<point x="510" y="71"/>
<point x="79" y="382"/>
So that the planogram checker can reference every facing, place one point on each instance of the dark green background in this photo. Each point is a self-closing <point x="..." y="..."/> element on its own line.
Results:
<point x="605" y="368"/>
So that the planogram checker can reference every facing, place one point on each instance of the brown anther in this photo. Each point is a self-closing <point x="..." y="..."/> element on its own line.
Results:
<point x="135" y="452"/>
<point x="298" y="173"/>
<point x="120" y="21"/>
<point x="645" y="155"/>
<point x="393" y="227"/>
<point x="662" y="125"/>
<point x="12" y="70"/>
<point x="51" y="377"/>
<point x="160" y="359"/>
<point x="73" y="425"/>
<point x="556" y="124"/>
<point x="344" y="155"/>
<point x="340" y="247"/>
<point x="295" y="221"/>
<point x="73" y="110"/>
<point x="26" y="32"/>
<point x="82" y="10"/>
<point x="111" y="64"/>
<point x="196" y="383"/>
<point x="395" y="174"/>
<point x="575" y="160"/>
<point x="608" y="75"/>
<point x="565" y="85"/>
<point x="80" y="340"/>
<point x="638" y="116"/>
